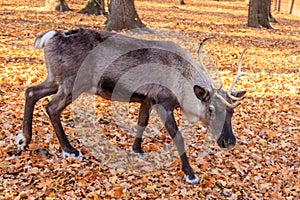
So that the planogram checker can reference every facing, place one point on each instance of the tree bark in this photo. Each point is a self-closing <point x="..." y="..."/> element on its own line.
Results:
<point x="181" y="2"/>
<point x="252" y="14"/>
<point x="258" y="14"/>
<point x="271" y="18"/>
<point x="57" y="5"/>
<point x="122" y="15"/>
<point x="94" y="7"/>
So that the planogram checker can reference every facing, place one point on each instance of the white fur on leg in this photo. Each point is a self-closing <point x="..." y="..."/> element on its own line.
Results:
<point x="21" y="142"/>
<point x="139" y="155"/>
<point x="66" y="154"/>
<point x="191" y="181"/>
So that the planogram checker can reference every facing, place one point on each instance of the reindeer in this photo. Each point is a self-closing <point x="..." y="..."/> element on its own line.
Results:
<point x="120" y="68"/>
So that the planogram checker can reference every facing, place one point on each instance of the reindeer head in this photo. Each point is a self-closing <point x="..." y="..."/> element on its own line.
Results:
<point x="221" y="105"/>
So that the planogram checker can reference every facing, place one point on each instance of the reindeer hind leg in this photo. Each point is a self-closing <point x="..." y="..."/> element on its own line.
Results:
<point x="32" y="94"/>
<point x="54" y="108"/>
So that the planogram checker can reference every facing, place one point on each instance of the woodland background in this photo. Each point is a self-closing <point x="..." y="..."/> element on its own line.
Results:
<point x="265" y="163"/>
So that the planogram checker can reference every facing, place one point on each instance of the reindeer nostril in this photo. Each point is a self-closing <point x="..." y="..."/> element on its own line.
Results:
<point x="232" y="142"/>
<point x="224" y="144"/>
<point x="20" y="142"/>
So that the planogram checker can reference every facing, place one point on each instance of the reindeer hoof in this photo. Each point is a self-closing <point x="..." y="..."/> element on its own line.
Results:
<point x="139" y="153"/>
<point x="65" y="154"/>
<point x="21" y="143"/>
<point x="191" y="181"/>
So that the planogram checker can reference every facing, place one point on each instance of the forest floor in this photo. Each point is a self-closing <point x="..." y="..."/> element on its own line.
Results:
<point x="264" y="164"/>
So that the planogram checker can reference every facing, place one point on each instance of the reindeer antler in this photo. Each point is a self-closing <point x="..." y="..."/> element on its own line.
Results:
<point x="230" y="105"/>
<point x="239" y="74"/>
<point x="201" y="61"/>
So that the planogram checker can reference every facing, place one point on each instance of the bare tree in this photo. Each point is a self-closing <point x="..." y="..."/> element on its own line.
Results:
<point x="259" y="14"/>
<point x="95" y="7"/>
<point x="57" y="5"/>
<point x="122" y="15"/>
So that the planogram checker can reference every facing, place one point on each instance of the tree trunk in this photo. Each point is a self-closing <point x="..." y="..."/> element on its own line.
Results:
<point x="94" y="7"/>
<point x="57" y="5"/>
<point x="258" y="14"/>
<point x="271" y="18"/>
<point x="122" y="15"/>
<point x="181" y="2"/>
<point x="252" y="14"/>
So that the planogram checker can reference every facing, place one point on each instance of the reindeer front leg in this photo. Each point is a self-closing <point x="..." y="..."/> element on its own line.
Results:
<point x="171" y="126"/>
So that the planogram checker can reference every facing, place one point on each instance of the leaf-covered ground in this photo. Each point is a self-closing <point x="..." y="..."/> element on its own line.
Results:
<point x="265" y="164"/>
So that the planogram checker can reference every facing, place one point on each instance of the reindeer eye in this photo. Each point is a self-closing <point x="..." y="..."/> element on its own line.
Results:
<point x="211" y="109"/>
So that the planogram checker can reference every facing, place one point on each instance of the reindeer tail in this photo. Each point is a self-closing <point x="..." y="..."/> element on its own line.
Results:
<point x="43" y="39"/>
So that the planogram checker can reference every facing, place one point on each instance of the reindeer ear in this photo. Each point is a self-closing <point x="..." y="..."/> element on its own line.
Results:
<point x="201" y="93"/>
<point x="238" y="94"/>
